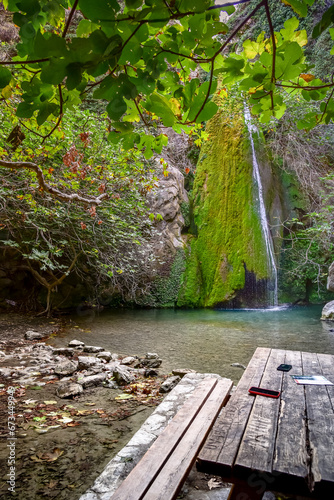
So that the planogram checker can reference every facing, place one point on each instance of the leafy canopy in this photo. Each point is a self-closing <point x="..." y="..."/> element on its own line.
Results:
<point x="142" y="58"/>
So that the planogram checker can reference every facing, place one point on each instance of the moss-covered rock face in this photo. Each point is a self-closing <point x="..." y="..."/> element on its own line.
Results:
<point x="227" y="244"/>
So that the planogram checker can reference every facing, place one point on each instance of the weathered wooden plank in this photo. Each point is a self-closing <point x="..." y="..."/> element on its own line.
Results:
<point x="139" y="480"/>
<point x="258" y="443"/>
<point x="291" y="455"/>
<point x="320" y="420"/>
<point x="170" y="479"/>
<point x="327" y="367"/>
<point x="223" y="442"/>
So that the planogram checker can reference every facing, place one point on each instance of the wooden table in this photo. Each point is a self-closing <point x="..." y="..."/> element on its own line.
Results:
<point x="285" y="444"/>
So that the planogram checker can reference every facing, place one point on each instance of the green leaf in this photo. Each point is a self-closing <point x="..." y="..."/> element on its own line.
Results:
<point x="5" y="77"/>
<point x="116" y="108"/>
<point x="74" y="75"/>
<point x="25" y="109"/>
<point x="326" y="20"/>
<point x="53" y="73"/>
<point x="298" y="6"/>
<point x="103" y="10"/>
<point x="209" y="110"/>
<point x="45" y="110"/>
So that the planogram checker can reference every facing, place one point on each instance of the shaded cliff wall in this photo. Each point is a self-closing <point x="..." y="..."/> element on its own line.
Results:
<point x="227" y="261"/>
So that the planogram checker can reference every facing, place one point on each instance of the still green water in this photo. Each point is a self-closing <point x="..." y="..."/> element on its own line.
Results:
<point x="204" y="340"/>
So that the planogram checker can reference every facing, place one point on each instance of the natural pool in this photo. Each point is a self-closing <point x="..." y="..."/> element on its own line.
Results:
<point x="202" y="339"/>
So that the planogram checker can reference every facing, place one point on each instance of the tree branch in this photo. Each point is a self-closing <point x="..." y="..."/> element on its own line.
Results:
<point x="69" y="20"/>
<point x="18" y="165"/>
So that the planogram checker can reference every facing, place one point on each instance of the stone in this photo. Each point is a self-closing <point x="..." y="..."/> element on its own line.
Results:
<point x="169" y="383"/>
<point x="92" y="349"/>
<point x="330" y="279"/>
<point x="68" y="389"/>
<point x="181" y="372"/>
<point x="64" y="351"/>
<point x="152" y="355"/>
<point x="76" y="343"/>
<point x="328" y="311"/>
<point x="66" y="367"/>
<point x="151" y="363"/>
<point x="123" y="376"/>
<point x="150" y="373"/>
<point x="104" y="355"/>
<point x="92" y="380"/>
<point x="238" y="365"/>
<point x="2" y="354"/>
<point x="88" y="362"/>
<point x="128" y="360"/>
<point x="32" y="335"/>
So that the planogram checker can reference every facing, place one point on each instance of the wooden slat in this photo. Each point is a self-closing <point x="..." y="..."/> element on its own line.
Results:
<point x="222" y="445"/>
<point x="320" y="419"/>
<point x="169" y="481"/>
<point x="257" y="446"/>
<point x="138" y="481"/>
<point x="327" y="367"/>
<point x="291" y="455"/>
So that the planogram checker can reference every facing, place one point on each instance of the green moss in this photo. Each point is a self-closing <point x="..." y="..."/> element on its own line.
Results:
<point x="165" y="289"/>
<point x="229" y="232"/>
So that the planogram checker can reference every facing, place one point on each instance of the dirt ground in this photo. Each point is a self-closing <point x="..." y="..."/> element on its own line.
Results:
<point x="62" y="445"/>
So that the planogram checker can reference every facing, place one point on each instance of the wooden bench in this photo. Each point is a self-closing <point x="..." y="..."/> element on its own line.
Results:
<point x="161" y="472"/>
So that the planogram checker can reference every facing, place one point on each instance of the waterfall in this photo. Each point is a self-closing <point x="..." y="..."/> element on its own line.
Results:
<point x="262" y="209"/>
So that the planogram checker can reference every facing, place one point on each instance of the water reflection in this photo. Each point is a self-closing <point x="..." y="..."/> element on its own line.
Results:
<point x="204" y="340"/>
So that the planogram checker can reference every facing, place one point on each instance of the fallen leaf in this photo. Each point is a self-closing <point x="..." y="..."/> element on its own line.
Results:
<point x="124" y="396"/>
<point x="73" y="424"/>
<point x="50" y="402"/>
<point x="213" y="483"/>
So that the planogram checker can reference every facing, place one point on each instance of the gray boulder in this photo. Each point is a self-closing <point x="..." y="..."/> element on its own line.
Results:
<point x="88" y="362"/>
<point x="328" y="311"/>
<point x="92" y="380"/>
<point x="169" y="384"/>
<point x="68" y="389"/>
<point x="76" y="343"/>
<point x="66" y="367"/>
<point x="32" y="335"/>
<point x="104" y="355"/>
<point x="123" y="376"/>
<point x="128" y="360"/>
<point x="92" y="349"/>
<point x="64" y="351"/>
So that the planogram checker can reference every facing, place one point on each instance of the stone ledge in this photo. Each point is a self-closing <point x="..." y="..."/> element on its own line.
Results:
<point x="122" y="464"/>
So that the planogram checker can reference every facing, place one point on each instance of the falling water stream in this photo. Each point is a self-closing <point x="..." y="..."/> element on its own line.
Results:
<point x="262" y="209"/>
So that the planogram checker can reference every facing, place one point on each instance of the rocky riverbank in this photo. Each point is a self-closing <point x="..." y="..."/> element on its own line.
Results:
<point x="75" y="407"/>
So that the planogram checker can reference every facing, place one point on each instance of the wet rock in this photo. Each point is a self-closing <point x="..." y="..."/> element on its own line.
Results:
<point x="169" y="383"/>
<point x="150" y="373"/>
<point x="64" y="351"/>
<point x="238" y="365"/>
<point x="328" y="311"/>
<point x="151" y="355"/>
<point x="123" y="376"/>
<point x="104" y="355"/>
<point x="68" y="389"/>
<point x="32" y="335"/>
<point x="92" y="380"/>
<point x="151" y="363"/>
<point x="181" y="372"/>
<point x="92" y="349"/>
<point x="128" y="360"/>
<point x="76" y="343"/>
<point x="66" y="367"/>
<point x="88" y="362"/>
